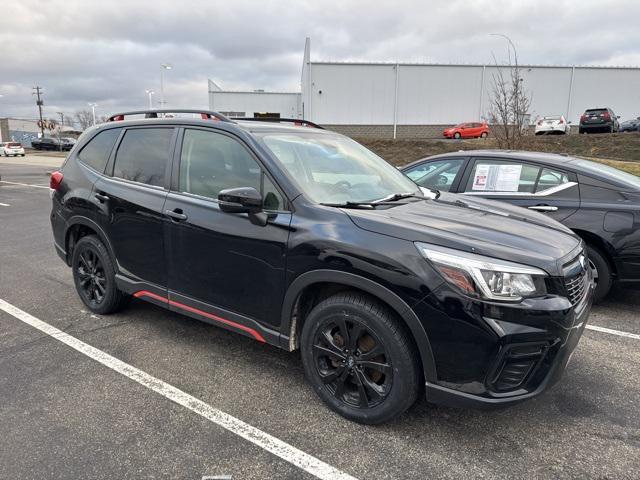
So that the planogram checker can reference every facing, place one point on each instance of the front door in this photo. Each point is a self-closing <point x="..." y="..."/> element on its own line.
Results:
<point x="219" y="262"/>
<point x="545" y="189"/>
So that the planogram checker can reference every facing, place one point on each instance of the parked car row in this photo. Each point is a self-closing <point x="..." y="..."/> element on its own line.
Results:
<point x="594" y="120"/>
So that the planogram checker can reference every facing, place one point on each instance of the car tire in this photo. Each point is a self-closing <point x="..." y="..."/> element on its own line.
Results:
<point x="602" y="273"/>
<point x="342" y="338"/>
<point x="457" y="135"/>
<point x="94" y="277"/>
<point x="484" y="135"/>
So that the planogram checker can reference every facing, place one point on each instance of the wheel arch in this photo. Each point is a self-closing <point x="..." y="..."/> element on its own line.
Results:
<point x="78" y="227"/>
<point x="599" y="243"/>
<point x="340" y="280"/>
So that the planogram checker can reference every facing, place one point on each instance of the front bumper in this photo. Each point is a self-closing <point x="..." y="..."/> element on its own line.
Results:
<point x="522" y="352"/>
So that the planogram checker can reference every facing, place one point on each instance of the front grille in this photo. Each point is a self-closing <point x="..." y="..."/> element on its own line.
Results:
<point x="576" y="280"/>
<point x="516" y="365"/>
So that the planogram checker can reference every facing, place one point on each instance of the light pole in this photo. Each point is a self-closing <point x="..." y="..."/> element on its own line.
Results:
<point x="150" y="93"/>
<point x="510" y="43"/>
<point x="163" y="67"/>
<point x="93" y="110"/>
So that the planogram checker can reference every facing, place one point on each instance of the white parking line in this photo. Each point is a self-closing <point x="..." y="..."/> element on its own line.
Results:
<point x="613" y="332"/>
<point x="4" y="205"/>
<point x="252" y="434"/>
<point x="25" y="184"/>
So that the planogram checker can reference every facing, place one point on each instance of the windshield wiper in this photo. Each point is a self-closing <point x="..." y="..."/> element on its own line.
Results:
<point x="394" y="197"/>
<point x="358" y="204"/>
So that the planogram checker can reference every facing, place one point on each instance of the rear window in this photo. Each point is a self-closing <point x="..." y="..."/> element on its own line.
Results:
<point x="14" y="145"/>
<point x="611" y="172"/>
<point x="143" y="155"/>
<point x="596" y="110"/>
<point x="96" y="153"/>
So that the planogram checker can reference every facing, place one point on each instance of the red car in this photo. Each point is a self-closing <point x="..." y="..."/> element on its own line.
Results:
<point x="467" y="130"/>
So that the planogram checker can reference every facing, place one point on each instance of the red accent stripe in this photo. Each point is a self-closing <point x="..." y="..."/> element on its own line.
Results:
<point x="250" y="331"/>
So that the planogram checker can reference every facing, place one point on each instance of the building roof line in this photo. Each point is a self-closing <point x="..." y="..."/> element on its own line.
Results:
<point x="268" y="92"/>
<point x="419" y="64"/>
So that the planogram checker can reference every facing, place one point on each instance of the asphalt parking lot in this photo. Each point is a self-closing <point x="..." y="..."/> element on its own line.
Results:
<point x="64" y="415"/>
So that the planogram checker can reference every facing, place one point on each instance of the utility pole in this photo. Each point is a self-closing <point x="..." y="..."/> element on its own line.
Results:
<point x="60" y="130"/>
<point x="37" y="91"/>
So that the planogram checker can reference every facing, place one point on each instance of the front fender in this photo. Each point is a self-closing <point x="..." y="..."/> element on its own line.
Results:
<point x="375" y="289"/>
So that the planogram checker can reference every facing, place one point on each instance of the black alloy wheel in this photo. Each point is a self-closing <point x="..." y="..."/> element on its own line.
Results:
<point x="352" y="362"/>
<point x="91" y="277"/>
<point x="94" y="277"/>
<point x="360" y="358"/>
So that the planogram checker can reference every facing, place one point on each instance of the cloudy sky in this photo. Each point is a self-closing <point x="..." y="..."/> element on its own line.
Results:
<point x="110" y="51"/>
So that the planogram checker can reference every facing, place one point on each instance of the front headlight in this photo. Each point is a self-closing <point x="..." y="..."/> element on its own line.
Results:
<point x="485" y="277"/>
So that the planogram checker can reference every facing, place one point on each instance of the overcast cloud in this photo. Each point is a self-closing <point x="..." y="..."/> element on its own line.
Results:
<point x="109" y="52"/>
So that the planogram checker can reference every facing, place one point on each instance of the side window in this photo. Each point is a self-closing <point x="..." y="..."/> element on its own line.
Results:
<point x="551" y="178"/>
<point x="438" y="175"/>
<point x="211" y="162"/>
<point x="143" y="155"/>
<point x="96" y="153"/>
<point x="502" y="176"/>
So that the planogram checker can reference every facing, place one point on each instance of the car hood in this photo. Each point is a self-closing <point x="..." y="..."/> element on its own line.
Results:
<point x="486" y="227"/>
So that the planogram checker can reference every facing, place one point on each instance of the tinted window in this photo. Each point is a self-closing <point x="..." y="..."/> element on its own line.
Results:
<point x="96" y="153"/>
<point x="143" y="155"/>
<point x="502" y="176"/>
<point x="211" y="162"/>
<point x="437" y="175"/>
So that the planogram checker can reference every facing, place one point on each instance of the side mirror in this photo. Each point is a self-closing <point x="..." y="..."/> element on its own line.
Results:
<point x="569" y="122"/>
<point x="243" y="200"/>
<point x="617" y="116"/>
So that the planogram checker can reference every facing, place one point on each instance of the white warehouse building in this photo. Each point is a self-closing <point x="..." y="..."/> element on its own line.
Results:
<point x="415" y="100"/>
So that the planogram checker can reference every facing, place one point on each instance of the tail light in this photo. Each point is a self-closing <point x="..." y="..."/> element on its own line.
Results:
<point x="583" y="118"/>
<point x="55" y="180"/>
<point x="561" y="121"/>
<point x="539" y="122"/>
<point x="606" y="116"/>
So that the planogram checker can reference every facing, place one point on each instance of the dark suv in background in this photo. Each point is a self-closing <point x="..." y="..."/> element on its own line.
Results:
<point x="601" y="120"/>
<point x="303" y="239"/>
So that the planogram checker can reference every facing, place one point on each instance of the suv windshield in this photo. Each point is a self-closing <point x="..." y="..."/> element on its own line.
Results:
<point x="335" y="169"/>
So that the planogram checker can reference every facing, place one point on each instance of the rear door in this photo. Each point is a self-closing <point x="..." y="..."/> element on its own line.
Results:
<point x="131" y="199"/>
<point x="539" y="187"/>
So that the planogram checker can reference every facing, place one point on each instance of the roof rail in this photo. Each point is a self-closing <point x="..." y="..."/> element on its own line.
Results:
<point x="204" y="114"/>
<point x="296" y="121"/>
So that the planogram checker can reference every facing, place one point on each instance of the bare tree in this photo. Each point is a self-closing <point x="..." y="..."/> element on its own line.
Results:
<point x="84" y="119"/>
<point x="510" y="104"/>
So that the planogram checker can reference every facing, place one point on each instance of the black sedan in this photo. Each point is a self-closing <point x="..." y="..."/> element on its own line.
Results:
<point x="599" y="203"/>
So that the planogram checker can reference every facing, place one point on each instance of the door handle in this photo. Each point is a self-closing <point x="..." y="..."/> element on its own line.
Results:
<point x="101" y="197"/>
<point x="543" y="208"/>
<point x="176" y="214"/>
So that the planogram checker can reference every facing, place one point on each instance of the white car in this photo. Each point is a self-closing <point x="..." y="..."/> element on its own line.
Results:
<point x="552" y="124"/>
<point x="12" y="148"/>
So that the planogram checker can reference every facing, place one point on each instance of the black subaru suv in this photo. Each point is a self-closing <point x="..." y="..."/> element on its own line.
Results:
<point x="303" y="239"/>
